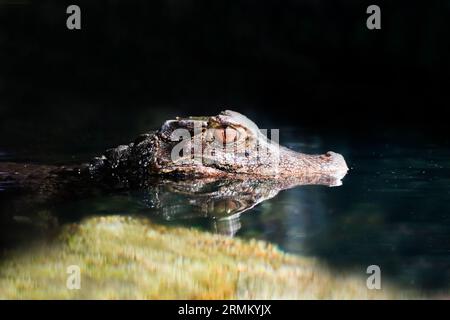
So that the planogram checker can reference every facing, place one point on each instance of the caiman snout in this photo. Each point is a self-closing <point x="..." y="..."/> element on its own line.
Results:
<point x="298" y="164"/>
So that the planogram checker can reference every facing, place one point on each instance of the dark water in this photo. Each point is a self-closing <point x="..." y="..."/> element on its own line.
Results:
<point x="392" y="209"/>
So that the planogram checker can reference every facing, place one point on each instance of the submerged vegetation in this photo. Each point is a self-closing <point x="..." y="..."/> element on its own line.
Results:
<point x="132" y="258"/>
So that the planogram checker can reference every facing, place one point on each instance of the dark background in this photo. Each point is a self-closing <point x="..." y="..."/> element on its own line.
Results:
<point x="379" y="97"/>
<point x="307" y="63"/>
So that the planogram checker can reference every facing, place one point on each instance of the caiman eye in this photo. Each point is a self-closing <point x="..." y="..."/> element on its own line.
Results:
<point x="225" y="135"/>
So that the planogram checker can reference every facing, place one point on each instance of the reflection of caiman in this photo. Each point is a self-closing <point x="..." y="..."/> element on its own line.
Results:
<point x="224" y="168"/>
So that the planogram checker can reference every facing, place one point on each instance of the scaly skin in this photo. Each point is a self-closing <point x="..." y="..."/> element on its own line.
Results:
<point x="152" y="154"/>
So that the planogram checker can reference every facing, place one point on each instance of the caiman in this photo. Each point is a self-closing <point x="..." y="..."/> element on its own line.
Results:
<point x="227" y="145"/>
<point x="222" y="165"/>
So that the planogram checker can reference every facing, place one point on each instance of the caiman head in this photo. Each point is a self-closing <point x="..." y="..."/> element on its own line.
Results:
<point x="228" y="144"/>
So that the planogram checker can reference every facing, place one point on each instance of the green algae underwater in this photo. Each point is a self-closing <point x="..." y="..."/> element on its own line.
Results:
<point x="132" y="258"/>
